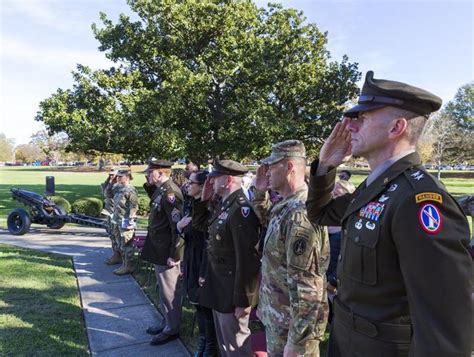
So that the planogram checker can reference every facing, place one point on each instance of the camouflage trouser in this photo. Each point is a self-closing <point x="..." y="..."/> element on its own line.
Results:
<point x="276" y="337"/>
<point x="124" y="241"/>
<point x="111" y="233"/>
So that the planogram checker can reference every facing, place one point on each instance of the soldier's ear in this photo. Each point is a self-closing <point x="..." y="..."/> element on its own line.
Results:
<point x="290" y="165"/>
<point x="398" y="127"/>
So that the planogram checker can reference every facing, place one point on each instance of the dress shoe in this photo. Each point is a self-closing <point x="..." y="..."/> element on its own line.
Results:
<point x="154" y="330"/>
<point x="163" y="338"/>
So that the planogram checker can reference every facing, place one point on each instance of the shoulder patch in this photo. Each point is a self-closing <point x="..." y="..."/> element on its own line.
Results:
<point x="245" y="211"/>
<point x="430" y="218"/>
<point x="299" y="246"/>
<point x="428" y="196"/>
<point x="171" y="197"/>
<point x="175" y="215"/>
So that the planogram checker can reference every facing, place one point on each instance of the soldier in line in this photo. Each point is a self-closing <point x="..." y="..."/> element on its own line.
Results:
<point x="161" y="248"/>
<point x="404" y="272"/>
<point x="124" y="219"/>
<point x="292" y="302"/>
<point x="108" y="194"/>
<point x="230" y="284"/>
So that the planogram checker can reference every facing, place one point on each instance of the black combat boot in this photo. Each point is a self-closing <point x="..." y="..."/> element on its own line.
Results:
<point x="201" y="346"/>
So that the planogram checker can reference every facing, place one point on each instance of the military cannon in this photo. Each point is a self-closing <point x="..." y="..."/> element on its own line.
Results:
<point x="43" y="211"/>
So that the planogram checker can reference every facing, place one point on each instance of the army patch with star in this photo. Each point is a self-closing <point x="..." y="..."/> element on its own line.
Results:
<point x="171" y="197"/>
<point x="175" y="215"/>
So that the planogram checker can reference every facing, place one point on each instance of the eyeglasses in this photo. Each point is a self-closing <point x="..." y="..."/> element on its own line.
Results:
<point x="193" y="183"/>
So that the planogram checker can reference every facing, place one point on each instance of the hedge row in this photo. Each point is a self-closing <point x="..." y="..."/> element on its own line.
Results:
<point x="92" y="206"/>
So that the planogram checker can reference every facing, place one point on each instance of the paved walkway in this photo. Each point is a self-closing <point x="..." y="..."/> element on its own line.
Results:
<point x="116" y="310"/>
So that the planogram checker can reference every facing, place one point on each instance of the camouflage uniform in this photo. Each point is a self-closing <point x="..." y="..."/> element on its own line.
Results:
<point x="108" y="192"/>
<point x="125" y="207"/>
<point x="293" y="302"/>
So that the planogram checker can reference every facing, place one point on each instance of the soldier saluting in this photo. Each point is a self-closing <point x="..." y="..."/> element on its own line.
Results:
<point x="404" y="272"/>
<point x="230" y="285"/>
<point x="293" y="302"/>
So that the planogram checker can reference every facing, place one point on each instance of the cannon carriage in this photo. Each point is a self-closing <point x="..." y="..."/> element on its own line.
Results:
<point x="42" y="210"/>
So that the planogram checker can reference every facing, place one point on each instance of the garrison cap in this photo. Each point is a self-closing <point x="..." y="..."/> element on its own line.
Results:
<point x="159" y="164"/>
<point x="227" y="167"/>
<point x="378" y="93"/>
<point x="284" y="149"/>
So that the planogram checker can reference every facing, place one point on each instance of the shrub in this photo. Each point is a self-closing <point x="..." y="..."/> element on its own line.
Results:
<point x="143" y="205"/>
<point x="61" y="201"/>
<point x="90" y="206"/>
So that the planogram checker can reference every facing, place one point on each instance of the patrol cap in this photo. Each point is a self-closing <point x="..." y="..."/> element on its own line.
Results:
<point x="285" y="149"/>
<point x="227" y="167"/>
<point x="378" y="93"/>
<point x="159" y="164"/>
<point x="124" y="172"/>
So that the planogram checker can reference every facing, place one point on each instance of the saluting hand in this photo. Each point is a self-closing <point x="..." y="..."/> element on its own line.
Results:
<point x="207" y="190"/>
<point x="261" y="179"/>
<point x="336" y="148"/>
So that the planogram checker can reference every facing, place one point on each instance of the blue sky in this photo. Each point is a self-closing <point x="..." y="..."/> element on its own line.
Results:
<point x="425" y="43"/>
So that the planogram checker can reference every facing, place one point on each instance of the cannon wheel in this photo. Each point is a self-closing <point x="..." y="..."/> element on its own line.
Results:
<point x="58" y="224"/>
<point x="18" y="222"/>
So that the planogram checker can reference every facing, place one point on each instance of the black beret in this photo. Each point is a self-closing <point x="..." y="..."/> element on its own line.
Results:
<point x="378" y="93"/>
<point x="228" y="167"/>
<point x="159" y="164"/>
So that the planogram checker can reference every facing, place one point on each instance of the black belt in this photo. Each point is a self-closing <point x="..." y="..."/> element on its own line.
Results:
<point x="387" y="332"/>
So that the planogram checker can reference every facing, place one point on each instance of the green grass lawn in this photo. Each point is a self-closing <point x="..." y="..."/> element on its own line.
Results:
<point x="40" y="312"/>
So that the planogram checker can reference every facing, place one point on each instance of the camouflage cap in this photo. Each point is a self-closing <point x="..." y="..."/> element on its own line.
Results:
<point x="124" y="172"/>
<point x="378" y="93"/>
<point x="227" y="167"/>
<point x="284" y="149"/>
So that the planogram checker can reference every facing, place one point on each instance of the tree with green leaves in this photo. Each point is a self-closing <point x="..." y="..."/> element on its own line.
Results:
<point x="450" y="131"/>
<point x="203" y="78"/>
<point x="29" y="153"/>
<point x="6" y="148"/>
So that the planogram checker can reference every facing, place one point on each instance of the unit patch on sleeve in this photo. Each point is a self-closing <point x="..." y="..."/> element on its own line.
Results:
<point x="428" y="196"/>
<point x="430" y="219"/>
<point x="171" y="197"/>
<point x="299" y="247"/>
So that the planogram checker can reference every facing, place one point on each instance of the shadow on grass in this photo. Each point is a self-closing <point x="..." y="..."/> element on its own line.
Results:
<point x="39" y="320"/>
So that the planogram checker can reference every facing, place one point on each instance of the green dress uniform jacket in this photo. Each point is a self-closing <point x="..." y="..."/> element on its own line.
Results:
<point x="233" y="259"/>
<point x="165" y="211"/>
<point x="404" y="272"/>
